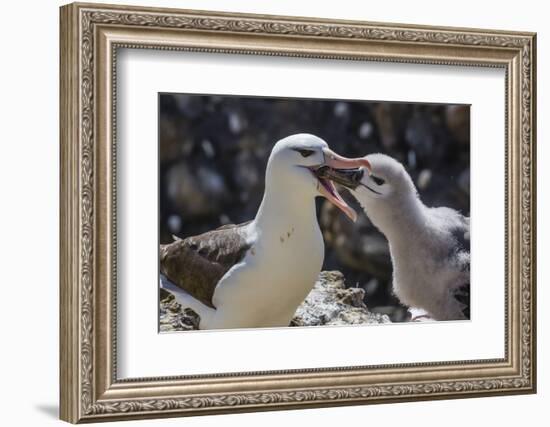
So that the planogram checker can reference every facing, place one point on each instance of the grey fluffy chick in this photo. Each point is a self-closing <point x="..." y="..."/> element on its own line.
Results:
<point x="430" y="247"/>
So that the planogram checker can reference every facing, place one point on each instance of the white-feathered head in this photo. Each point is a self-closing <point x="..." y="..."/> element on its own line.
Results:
<point x="385" y="190"/>
<point x="293" y="164"/>
<point x="388" y="180"/>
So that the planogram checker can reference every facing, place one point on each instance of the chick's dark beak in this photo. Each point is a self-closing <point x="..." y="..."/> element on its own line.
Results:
<point x="350" y="178"/>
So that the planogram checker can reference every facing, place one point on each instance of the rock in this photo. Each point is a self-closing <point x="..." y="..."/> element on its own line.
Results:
<point x="420" y="136"/>
<point x="464" y="181"/>
<point x="341" y="109"/>
<point x="171" y="141"/>
<point x="389" y="121"/>
<point x="424" y="178"/>
<point x="173" y="317"/>
<point x="196" y="191"/>
<point x="365" y="130"/>
<point x="190" y="106"/>
<point x="457" y="118"/>
<point x="328" y="303"/>
<point x="236" y="123"/>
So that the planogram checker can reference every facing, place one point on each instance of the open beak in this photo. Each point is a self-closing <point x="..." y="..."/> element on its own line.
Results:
<point x="325" y="177"/>
<point x="349" y="178"/>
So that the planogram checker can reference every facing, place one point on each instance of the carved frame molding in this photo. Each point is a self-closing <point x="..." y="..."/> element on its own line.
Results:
<point x="90" y="37"/>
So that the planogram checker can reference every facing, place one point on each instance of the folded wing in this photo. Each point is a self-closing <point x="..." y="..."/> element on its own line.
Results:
<point x="197" y="264"/>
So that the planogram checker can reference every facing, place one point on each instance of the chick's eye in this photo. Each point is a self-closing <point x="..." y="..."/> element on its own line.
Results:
<point x="305" y="153"/>
<point x="377" y="181"/>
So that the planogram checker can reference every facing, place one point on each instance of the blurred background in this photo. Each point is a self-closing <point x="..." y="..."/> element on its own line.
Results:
<point x="213" y="151"/>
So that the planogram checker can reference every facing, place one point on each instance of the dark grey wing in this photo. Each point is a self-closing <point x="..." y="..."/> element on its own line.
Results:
<point x="461" y="235"/>
<point x="456" y="239"/>
<point x="455" y="225"/>
<point x="460" y="252"/>
<point x="462" y="295"/>
<point x="196" y="264"/>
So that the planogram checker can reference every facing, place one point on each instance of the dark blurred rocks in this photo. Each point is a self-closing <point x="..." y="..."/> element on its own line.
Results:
<point x="197" y="191"/>
<point x="214" y="149"/>
<point x="457" y="118"/>
<point x="359" y="246"/>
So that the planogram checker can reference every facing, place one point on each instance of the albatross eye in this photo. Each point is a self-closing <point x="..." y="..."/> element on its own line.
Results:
<point x="377" y="181"/>
<point x="304" y="152"/>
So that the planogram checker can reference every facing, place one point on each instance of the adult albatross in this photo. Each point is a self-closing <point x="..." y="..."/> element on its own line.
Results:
<point x="257" y="273"/>
<point x="430" y="247"/>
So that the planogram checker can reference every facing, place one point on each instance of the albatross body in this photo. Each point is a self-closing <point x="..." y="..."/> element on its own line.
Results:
<point x="430" y="247"/>
<point x="257" y="273"/>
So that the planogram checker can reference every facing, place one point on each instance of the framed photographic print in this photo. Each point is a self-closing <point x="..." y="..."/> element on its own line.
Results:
<point x="265" y="212"/>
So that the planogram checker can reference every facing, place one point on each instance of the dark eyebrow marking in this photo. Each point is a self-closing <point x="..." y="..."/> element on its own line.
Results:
<point x="305" y="152"/>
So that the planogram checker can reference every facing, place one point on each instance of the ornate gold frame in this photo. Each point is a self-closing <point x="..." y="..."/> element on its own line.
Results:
<point x="90" y="36"/>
